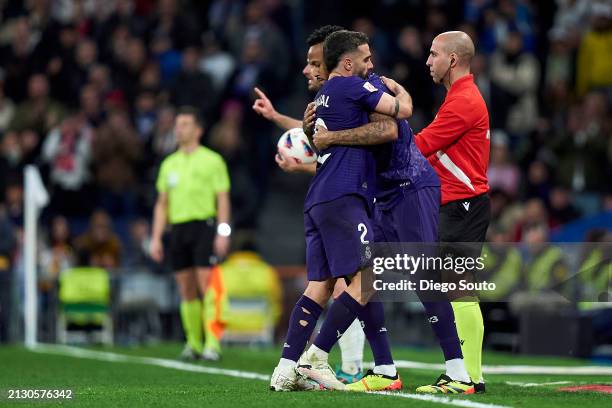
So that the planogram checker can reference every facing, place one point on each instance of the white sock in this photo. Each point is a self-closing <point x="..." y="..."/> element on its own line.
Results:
<point x="387" y="369"/>
<point x="351" y="347"/>
<point x="317" y="353"/>
<point x="455" y="369"/>
<point x="285" y="362"/>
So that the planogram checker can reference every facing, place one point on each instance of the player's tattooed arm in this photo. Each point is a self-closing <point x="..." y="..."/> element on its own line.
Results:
<point x="264" y="107"/>
<point x="398" y="106"/>
<point x="381" y="129"/>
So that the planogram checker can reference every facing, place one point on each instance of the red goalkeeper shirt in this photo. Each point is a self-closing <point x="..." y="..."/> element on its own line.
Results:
<point x="457" y="142"/>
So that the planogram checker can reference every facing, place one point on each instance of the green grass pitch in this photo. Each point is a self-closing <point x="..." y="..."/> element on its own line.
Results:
<point x="131" y="384"/>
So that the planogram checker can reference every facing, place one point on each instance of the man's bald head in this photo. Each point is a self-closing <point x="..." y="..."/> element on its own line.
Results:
<point x="459" y="43"/>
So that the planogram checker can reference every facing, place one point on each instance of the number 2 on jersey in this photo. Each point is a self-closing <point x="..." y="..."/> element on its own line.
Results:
<point x="364" y="230"/>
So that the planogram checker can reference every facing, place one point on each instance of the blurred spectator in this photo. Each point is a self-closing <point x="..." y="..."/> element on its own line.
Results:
<point x="8" y="242"/>
<point x="379" y="43"/>
<point x="130" y="60"/>
<point x="503" y="173"/>
<point x="116" y="152"/>
<point x="410" y="70"/>
<point x="14" y="203"/>
<point x="594" y="57"/>
<point x="562" y="210"/>
<point x="193" y="87"/>
<point x="39" y="112"/>
<point x="558" y="79"/>
<point x="534" y="214"/>
<point x="91" y="106"/>
<point x="146" y="114"/>
<point x="17" y="58"/>
<point x="226" y="139"/>
<point x="99" y="244"/>
<point x="7" y="107"/>
<point x="62" y="68"/>
<point x="259" y="31"/>
<point x="515" y="76"/>
<point x="100" y="80"/>
<point x="163" y="141"/>
<point x="137" y="248"/>
<point x="538" y="183"/>
<point x="583" y="154"/>
<point x="167" y="22"/>
<point x="67" y="151"/>
<point x="150" y="78"/>
<point x="482" y="77"/>
<point x="501" y="18"/>
<point x="570" y="17"/>
<point x="57" y="253"/>
<point x="168" y="58"/>
<point x="217" y="63"/>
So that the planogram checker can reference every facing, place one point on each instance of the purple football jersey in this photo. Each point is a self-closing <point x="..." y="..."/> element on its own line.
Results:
<point x="344" y="103"/>
<point x="400" y="164"/>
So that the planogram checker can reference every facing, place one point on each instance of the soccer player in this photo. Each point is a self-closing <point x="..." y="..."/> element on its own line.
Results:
<point x="339" y="203"/>
<point x="352" y="342"/>
<point x="193" y="196"/>
<point x="456" y="143"/>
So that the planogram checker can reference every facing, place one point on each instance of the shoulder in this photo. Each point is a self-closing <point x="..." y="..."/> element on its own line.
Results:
<point x="169" y="159"/>
<point x="210" y="155"/>
<point x="376" y="82"/>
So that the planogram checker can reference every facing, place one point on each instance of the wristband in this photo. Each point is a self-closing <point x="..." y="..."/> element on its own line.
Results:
<point x="224" y="229"/>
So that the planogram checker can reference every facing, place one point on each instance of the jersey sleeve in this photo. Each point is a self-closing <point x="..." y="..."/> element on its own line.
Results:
<point x="162" y="178"/>
<point x="445" y="129"/>
<point x="364" y="93"/>
<point x="222" y="180"/>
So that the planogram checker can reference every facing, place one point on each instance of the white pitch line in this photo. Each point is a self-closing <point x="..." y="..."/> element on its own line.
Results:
<point x="440" y="400"/>
<point x="160" y="362"/>
<point x="177" y="365"/>
<point x="512" y="369"/>
<point x="544" y="384"/>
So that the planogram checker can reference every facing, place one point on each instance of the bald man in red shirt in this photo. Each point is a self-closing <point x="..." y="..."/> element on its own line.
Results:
<point x="457" y="143"/>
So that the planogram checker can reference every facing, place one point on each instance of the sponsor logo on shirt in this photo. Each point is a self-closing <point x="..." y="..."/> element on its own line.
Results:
<point x="368" y="86"/>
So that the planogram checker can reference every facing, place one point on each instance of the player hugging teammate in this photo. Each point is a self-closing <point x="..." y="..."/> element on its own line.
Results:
<point x="366" y="150"/>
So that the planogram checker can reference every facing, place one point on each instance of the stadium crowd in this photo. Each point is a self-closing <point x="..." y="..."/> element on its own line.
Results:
<point x="89" y="90"/>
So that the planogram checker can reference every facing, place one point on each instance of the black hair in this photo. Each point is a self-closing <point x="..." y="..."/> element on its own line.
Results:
<point x="339" y="43"/>
<point x="193" y="112"/>
<point x="320" y="34"/>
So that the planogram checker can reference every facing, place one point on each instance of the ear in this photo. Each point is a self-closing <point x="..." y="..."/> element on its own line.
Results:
<point x="348" y="64"/>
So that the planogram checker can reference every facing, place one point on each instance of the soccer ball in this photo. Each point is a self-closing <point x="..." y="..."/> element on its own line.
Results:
<point x="294" y="143"/>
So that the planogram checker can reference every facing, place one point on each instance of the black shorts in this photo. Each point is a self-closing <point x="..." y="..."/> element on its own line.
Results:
<point x="191" y="244"/>
<point x="465" y="220"/>
<point x="462" y="232"/>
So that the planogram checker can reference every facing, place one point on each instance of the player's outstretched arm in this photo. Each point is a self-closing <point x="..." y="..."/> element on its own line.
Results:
<point x="381" y="129"/>
<point x="291" y="165"/>
<point x="264" y="107"/>
<point x="398" y="106"/>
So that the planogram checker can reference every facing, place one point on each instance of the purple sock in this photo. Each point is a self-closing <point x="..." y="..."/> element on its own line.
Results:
<point x="302" y="323"/>
<point x="442" y="320"/>
<point x="372" y="318"/>
<point x="340" y="316"/>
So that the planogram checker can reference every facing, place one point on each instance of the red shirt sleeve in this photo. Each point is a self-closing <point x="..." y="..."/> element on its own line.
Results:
<point x="447" y="127"/>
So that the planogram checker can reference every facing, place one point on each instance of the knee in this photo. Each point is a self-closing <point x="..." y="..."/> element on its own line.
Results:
<point x="320" y="292"/>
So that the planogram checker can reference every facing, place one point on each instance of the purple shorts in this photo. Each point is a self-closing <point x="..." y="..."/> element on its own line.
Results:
<point x="337" y="235"/>
<point x="414" y="218"/>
